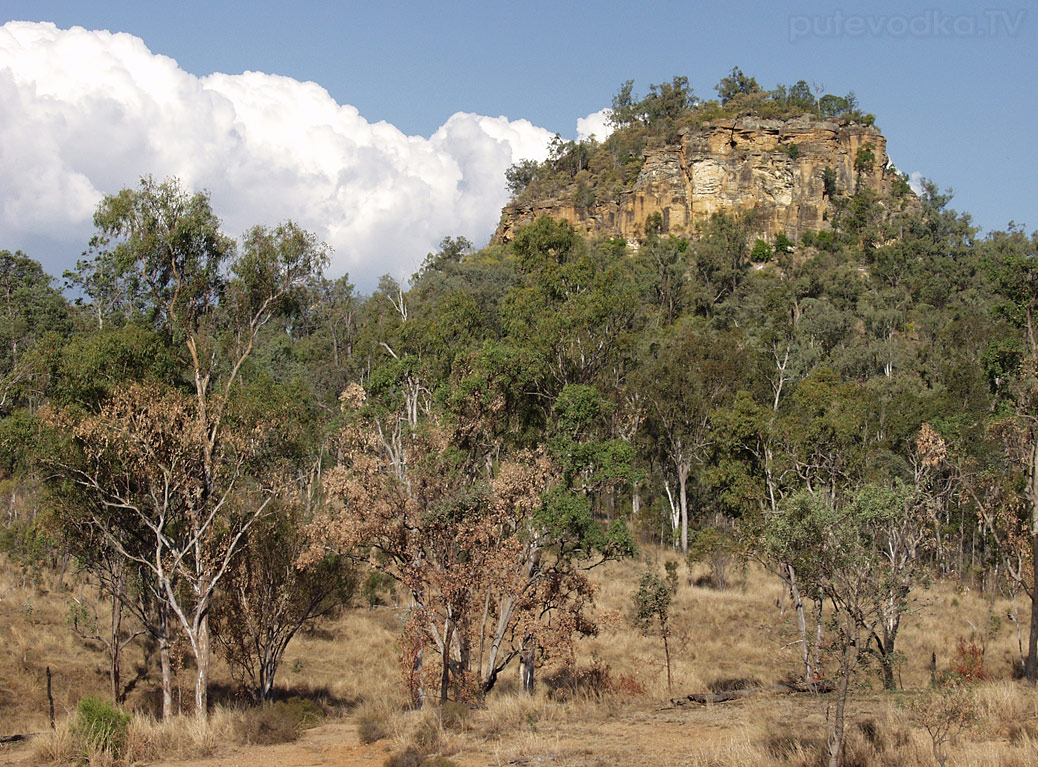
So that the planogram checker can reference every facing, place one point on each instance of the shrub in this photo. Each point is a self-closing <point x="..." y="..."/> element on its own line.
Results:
<point x="782" y="243"/>
<point x="968" y="661"/>
<point x="377" y="589"/>
<point x="281" y="722"/>
<point x="370" y="728"/>
<point x="428" y="737"/>
<point x="439" y="761"/>
<point x="672" y="575"/>
<point x="761" y="251"/>
<point x="453" y="715"/>
<point x="943" y="712"/>
<point x="727" y="684"/>
<point x="716" y="546"/>
<point x="409" y="757"/>
<point x="591" y="682"/>
<point x="100" y="726"/>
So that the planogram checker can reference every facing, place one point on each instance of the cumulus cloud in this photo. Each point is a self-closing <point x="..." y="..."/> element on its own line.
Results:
<point x="87" y="113"/>
<point x="915" y="181"/>
<point x="595" y="124"/>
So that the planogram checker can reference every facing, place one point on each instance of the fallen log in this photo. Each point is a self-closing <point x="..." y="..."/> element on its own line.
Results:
<point x="18" y="738"/>
<point x="717" y="697"/>
<point x="727" y="695"/>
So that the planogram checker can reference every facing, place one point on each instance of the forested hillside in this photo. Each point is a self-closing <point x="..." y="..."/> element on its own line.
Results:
<point x="229" y="444"/>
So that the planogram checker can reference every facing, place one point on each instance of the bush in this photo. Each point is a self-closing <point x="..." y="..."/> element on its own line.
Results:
<point x="593" y="682"/>
<point x="281" y="722"/>
<point x="370" y="728"/>
<point x="968" y="661"/>
<point x="409" y="757"/>
<point x="377" y="589"/>
<point x="727" y="684"/>
<point x="100" y="726"/>
<point x="672" y="576"/>
<point x="761" y="251"/>
<point x="453" y="715"/>
<point x="718" y="547"/>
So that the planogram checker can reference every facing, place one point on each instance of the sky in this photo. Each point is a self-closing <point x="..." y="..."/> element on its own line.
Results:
<point x="385" y="126"/>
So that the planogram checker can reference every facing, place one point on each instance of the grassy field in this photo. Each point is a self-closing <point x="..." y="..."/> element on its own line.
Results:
<point x="610" y="705"/>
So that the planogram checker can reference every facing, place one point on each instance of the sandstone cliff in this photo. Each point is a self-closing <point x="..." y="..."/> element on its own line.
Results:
<point x="775" y="166"/>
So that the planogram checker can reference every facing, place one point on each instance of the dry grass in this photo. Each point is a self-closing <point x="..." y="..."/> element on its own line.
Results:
<point x="747" y="632"/>
<point x="148" y="740"/>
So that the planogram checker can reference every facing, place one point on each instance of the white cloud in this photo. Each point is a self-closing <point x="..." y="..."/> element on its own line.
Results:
<point x="915" y="182"/>
<point x="595" y="124"/>
<point x="86" y="113"/>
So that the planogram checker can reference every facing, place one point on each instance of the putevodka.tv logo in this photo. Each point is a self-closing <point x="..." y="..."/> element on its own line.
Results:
<point x="992" y="22"/>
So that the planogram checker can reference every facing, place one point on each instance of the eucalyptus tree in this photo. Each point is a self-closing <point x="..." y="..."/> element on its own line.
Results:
<point x="165" y="462"/>
<point x="689" y="374"/>
<point x="1013" y="516"/>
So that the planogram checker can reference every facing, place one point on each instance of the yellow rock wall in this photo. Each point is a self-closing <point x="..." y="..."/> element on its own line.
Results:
<point x="729" y="166"/>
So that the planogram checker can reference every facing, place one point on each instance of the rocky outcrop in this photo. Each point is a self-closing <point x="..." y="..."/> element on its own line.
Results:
<point x="773" y="166"/>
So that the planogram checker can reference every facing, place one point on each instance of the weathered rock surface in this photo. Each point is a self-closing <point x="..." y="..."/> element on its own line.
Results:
<point x="730" y="166"/>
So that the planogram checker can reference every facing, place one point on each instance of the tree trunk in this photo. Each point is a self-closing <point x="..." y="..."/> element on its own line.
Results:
<point x="202" y="661"/>
<point x="848" y="661"/>
<point x="666" y="654"/>
<point x="167" y="679"/>
<point x="526" y="666"/>
<point x="59" y="579"/>
<point x="798" y="604"/>
<point x="445" y="674"/>
<point x="1031" y="668"/>
<point x="886" y="660"/>
<point x="683" y="500"/>
<point x="418" y="691"/>
<point x="115" y="649"/>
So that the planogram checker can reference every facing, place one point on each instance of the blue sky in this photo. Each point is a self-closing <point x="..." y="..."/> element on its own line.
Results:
<point x="951" y="86"/>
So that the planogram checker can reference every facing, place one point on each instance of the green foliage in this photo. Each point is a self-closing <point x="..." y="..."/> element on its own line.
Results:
<point x="519" y="175"/>
<point x="652" y="604"/>
<point x="377" y="588"/>
<point x="588" y="172"/>
<point x="761" y="251"/>
<point x="736" y="84"/>
<point x="100" y="726"/>
<point x="829" y="182"/>
<point x="716" y="546"/>
<point x="652" y="612"/>
<point x="672" y="575"/>
<point x="865" y="158"/>
<point x="664" y="104"/>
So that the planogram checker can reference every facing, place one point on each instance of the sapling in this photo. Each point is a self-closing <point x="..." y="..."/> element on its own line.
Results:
<point x="652" y="612"/>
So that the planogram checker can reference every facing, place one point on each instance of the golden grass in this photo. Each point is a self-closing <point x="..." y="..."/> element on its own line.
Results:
<point x="746" y="632"/>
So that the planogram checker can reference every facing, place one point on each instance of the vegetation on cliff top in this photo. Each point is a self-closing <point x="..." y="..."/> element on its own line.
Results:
<point x="588" y="171"/>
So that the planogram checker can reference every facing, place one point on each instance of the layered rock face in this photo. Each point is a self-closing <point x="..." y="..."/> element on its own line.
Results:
<point x="774" y="166"/>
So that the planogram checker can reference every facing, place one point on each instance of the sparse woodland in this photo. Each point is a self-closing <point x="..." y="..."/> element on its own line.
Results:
<point x="543" y="484"/>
